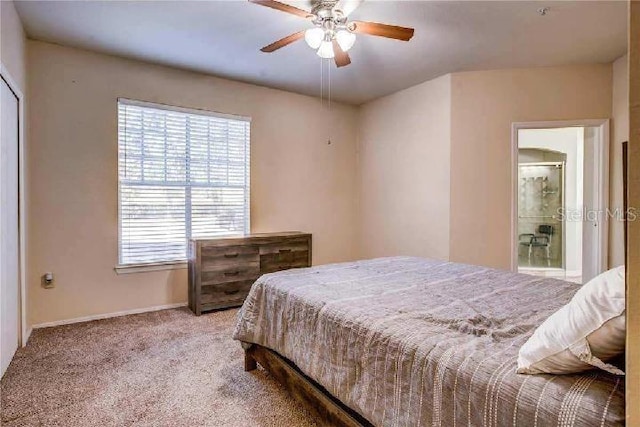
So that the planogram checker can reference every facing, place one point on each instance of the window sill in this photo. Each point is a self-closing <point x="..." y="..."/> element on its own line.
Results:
<point x="155" y="266"/>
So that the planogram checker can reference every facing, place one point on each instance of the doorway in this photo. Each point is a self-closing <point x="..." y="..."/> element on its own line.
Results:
<point x="559" y="203"/>
<point x="11" y="211"/>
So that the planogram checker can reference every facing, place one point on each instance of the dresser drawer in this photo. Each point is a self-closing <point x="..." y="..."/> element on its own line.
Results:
<point x="285" y="247"/>
<point x="214" y="274"/>
<point x="270" y="263"/>
<point x="226" y="293"/>
<point x="229" y="256"/>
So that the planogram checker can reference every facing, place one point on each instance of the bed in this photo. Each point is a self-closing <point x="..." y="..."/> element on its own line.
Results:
<point x="407" y="341"/>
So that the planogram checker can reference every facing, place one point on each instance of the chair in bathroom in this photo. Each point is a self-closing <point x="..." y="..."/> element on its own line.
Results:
<point x="532" y="241"/>
<point x="546" y="230"/>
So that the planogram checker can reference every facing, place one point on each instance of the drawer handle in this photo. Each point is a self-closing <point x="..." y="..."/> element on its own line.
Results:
<point x="235" y="255"/>
<point x="285" y="251"/>
<point x="232" y="273"/>
<point x="232" y="292"/>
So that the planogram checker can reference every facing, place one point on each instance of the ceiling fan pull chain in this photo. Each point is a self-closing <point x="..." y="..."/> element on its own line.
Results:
<point x="321" y="83"/>
<point x="329" y="82"/>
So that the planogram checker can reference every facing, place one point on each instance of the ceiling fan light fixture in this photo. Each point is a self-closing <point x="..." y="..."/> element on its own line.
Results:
<point x="332" y="33"/>
<point x="314" y="37"/>
<point x="325" y="50"/>
<point x="345" y="39"/>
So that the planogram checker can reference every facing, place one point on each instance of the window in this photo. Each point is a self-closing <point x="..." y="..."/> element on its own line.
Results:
<point x="182" y="174"/>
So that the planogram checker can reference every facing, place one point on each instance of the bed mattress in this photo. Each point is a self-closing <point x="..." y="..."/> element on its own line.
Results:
<point x="408" y="341"/>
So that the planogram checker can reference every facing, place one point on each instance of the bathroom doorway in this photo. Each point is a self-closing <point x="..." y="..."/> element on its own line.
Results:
<point x="560" y="180"/>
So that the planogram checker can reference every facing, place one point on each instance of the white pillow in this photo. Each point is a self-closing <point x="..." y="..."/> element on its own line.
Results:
<point x="583" y="334"/>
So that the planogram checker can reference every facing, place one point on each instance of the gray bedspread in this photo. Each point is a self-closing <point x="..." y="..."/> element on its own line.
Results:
<point x="414" y="342"/>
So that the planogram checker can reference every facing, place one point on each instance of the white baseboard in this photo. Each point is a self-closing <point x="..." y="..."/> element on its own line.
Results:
<point x="108" y="315"/>
<point x="25" y="338"/>
<point x="574" y="273"/>
<point x="550" y="272"/>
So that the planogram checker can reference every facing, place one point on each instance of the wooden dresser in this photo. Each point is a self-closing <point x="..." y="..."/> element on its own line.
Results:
<point x="221" y="271"/>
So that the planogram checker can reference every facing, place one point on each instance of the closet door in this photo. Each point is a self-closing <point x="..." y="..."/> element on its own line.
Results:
<point x="9" y="241"/>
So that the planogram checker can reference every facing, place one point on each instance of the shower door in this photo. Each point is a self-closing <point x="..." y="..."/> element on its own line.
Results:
<point x="541" y="241"/>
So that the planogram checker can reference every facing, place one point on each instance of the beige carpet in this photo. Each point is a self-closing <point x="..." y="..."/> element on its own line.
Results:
<point x="167" y="368"/>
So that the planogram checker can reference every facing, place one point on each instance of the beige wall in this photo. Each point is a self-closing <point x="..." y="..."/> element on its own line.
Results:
<point x="404" y="172"/>
<point x="425" y="171"/>
<point x="298" y="182"/>
<point x="619" y="134"/>
<point x="484" y="104"/>
<point x="450" y="139"/>
<point x="633" y="248"/>
<point x="13" y="44"/>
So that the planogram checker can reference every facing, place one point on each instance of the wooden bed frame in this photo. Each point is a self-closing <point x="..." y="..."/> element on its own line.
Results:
<point x="329" y="410"/>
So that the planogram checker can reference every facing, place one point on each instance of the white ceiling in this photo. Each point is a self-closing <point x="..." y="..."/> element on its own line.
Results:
<point x="224" y="37"/>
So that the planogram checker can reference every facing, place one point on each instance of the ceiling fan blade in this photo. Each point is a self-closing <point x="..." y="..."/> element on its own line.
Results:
<point x="383" y="30"/>
<point x="340" y="56"/>
<point x="348" y="6"/>
<point x="283" y="42"/>
<point x="283" y="7"/>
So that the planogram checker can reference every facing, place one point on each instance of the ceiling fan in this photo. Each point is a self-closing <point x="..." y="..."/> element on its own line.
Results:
<point x="332" y="35"/>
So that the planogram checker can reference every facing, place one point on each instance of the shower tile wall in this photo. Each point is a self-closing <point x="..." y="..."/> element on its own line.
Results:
<point x="540" y="199"/>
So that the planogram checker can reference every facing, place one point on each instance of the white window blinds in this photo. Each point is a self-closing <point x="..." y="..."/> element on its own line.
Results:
<point x="182" y="174"/>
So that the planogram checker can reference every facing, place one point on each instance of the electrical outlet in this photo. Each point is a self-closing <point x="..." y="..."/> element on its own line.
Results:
<point x="47" y="280"/>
